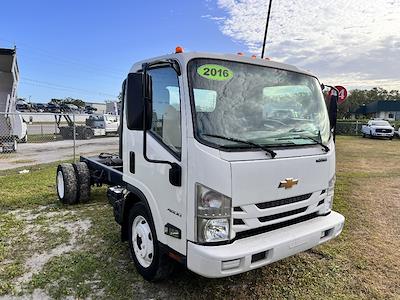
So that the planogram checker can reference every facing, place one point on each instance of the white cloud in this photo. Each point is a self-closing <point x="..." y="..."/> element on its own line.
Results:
<point x="355" y="42"/>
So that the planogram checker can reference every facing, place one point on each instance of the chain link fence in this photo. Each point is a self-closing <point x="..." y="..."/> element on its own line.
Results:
<point x="35" y="138"/>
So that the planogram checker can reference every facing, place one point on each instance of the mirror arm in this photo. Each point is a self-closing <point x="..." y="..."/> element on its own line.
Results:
<point x="175" y="172"/>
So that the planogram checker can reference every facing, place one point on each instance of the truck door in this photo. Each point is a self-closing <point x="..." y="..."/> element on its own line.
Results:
<point x="164" y="142"/>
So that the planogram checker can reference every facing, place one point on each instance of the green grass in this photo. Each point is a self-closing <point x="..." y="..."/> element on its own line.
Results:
<point x="362" y="263"/>
<point x="27" y="190"/>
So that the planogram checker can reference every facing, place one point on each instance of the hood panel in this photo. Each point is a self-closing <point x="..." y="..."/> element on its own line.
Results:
<point x="258" y="181"/>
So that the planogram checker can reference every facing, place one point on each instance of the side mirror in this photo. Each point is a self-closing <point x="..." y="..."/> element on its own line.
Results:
<point x="332" y="109"/>
<point x="138" y="101"/>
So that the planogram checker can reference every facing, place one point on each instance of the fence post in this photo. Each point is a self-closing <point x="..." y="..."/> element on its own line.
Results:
<point x="55" y="129"/>
<point x="357" y="127"/>
<point x="74" y="134"/>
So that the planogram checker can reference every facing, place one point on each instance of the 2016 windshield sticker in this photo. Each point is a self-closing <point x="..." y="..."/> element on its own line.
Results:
<point x="214" y="72"/>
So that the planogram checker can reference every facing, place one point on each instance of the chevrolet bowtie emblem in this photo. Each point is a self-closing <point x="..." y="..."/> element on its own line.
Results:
<point x="288" y="183"/>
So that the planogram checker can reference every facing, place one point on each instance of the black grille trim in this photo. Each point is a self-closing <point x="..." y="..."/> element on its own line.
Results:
<point x="383" y="130"/>
<point x="237" y="208"/>
<point x="282" y="215"/>
<point x="281" y="202"/>
<point x="264" y="229"/>
<point x="238" y="222"/>
<point x="321" y="202"/>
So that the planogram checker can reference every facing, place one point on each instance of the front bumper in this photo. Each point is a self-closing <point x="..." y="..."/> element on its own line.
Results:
<point x="384" y="134"/>
<point x="260" y="250"/>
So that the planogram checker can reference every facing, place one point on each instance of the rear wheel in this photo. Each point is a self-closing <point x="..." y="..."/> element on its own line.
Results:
<point x="144" y="247"/>
<point x="88" y="134"/>
<point x="67" y="184"/>
<point x="82" y="174"/>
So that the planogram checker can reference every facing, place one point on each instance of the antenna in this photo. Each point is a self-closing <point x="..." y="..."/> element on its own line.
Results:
<point x="266" y="28"/>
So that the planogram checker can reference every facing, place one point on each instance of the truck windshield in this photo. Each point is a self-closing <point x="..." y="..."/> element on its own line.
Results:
<point x="263" y="105"/>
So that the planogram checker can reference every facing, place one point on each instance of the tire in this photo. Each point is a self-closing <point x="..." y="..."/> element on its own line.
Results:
<point x="363" y="135"/>
<point x="88" y="134"/>
<point x="24" y="140"/>
<point x="67" y="184"/>
<point x="145" y="251"/>
<point x="82" y="174"/>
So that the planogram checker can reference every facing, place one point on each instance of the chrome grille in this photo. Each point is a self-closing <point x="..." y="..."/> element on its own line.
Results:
<point x="282" y="215"/>
<point x="261" y="214"/>
<point x="285" y="201"/>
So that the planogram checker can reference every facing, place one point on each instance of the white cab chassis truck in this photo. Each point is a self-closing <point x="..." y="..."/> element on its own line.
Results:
<point x="207" y="174"/>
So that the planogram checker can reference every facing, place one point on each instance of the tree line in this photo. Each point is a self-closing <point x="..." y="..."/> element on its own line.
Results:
<point x="359" y="97"/>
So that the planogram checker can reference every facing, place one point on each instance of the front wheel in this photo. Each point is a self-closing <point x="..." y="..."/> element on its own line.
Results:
<point x="149" y="261"/>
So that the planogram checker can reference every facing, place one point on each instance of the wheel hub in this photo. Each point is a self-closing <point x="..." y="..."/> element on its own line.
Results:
<point x="60" y="184"/>
<point x="142" y="241"/>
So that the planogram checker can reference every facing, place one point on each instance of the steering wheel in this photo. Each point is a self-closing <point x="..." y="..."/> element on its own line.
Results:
<point x="274" y="121"/>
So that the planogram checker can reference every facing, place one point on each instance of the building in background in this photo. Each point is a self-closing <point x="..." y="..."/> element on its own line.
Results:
<point x="98" y="107"/>
<point x="113" y="107"/>
<point x="382" y="109"/>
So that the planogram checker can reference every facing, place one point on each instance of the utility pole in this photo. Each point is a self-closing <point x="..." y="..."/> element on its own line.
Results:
<point x="266" y="28"/>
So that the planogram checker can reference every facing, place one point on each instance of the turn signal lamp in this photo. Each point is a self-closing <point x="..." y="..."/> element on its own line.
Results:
<point x="178" y="49"/>
<point x="254" y="56"/>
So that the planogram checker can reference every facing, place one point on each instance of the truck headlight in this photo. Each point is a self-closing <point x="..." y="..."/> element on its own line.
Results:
<point x="328" y="203"/>
<point x="213" y="215"/>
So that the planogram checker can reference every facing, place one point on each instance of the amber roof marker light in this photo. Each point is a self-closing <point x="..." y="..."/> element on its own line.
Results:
<point x="179" y="49"/>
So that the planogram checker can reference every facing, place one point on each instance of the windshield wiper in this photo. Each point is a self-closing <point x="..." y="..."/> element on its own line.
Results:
<point x="272" y="153"/>
<point x="300" y="136"/>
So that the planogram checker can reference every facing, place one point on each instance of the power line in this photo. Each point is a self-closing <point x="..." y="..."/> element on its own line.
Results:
<point x="62" y="87"/>
<point x="66" y="59"/>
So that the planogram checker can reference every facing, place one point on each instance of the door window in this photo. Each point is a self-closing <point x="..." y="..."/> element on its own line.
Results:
<point x="166" y="121"/>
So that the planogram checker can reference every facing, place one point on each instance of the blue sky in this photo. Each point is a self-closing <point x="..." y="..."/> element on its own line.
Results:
<point x="84" y="49"/>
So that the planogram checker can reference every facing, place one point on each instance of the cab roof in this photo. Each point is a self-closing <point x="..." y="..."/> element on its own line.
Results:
<point x="185" y="57"/>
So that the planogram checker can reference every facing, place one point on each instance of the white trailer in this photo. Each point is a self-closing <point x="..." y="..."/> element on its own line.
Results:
<point x="12" y="125"/>
<point x="207" y="175"/>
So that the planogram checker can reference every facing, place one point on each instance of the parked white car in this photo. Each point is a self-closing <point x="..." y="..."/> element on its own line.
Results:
<point x="378" y="128"/>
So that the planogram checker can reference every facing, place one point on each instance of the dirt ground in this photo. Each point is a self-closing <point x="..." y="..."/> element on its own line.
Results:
<point x="51" y="251"/>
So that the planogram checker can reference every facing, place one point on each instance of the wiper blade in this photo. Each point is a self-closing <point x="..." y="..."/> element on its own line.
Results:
<point x="272" y="153"/>
<point x="300" y="136"/>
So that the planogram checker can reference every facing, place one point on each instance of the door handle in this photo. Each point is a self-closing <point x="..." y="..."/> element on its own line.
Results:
<point x="132" y="162"/>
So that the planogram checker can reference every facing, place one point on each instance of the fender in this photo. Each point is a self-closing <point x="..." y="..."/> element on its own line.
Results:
<point x="121" y="210"/>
